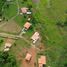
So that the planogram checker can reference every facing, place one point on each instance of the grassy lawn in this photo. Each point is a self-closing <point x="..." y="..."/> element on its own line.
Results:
<point x="48" y="18"/>
<point x="18" y="50"/>
<point x="10" y="11"/>
<point x="18" y="46"/>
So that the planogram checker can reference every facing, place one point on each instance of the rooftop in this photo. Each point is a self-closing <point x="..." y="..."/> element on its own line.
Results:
<point x="24" y="10"/>
<point x="8" y="45"/>
<point x="35" y="36"/>
<point x="27" y="25"/>
<point x="28" y="56"/>
<point x="42" y="61"/>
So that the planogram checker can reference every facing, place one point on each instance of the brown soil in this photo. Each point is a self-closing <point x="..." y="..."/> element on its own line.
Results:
<point x="24" y="63"/>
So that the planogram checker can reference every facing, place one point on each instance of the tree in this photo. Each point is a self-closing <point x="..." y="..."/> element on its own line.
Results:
<point x="7" y="60"/>
<point x="1" y="5"/>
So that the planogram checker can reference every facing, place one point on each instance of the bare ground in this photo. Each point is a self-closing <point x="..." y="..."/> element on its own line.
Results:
<point x="11" y="27"/>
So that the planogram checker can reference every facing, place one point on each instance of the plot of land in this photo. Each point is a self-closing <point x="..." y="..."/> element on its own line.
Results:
<point x="11" y="27"/>
<point x="33" y="52"/>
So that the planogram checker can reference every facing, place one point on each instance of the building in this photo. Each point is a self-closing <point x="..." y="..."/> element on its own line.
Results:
<point x="8" y="45"/>
<point x="42" y="61"/>
<point x="27" y="25"/>
<point x="24" y="10"/>
<point x="6" y="49"/>
<point x="28" y="57"/>
<point x="35" y="37"/>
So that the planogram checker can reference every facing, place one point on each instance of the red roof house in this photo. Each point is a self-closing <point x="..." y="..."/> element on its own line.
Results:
<point x="27" y="25"/>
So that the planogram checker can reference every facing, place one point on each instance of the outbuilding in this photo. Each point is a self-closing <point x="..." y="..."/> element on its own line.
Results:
<point x="28" y="57"/>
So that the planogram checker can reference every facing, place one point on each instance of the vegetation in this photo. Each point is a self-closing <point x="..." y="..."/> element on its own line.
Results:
<point x="1" y="5"/>
<point x="53" y="37"/>
<point x="7" y="60"/>
<point x="50" y="19"/>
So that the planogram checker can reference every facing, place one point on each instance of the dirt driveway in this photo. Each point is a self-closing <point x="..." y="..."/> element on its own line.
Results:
<point x="33" y="52"/>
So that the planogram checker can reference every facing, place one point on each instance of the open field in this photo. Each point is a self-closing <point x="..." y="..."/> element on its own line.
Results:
<point x="10" y="27"/>
<point x="48" y="18"/>
<point x="47" y="13"/>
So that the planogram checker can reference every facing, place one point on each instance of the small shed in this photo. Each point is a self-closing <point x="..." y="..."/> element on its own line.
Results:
<point x="24" y="10"/>
<point x="28" y="57"/>
<point x="27" y="25"/>
<point x="35" y="37"/>
<point x="42" y="61"/>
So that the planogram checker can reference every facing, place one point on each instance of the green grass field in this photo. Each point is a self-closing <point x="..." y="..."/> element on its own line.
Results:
<point x="48" y="18"/>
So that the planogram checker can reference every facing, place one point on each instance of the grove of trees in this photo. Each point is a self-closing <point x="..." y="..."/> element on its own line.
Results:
<point x="7" y="60"/>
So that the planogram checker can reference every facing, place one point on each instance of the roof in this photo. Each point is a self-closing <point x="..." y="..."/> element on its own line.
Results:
<point x="27" y="25"/>
<point x="35" y="36"/>
<point x="24" y="10"/>
<point x="28" y="56"/>
<point x="6" y="49"/>
<point x="42" y="60"/>
<point x="8" y="45"/>
<point x="40" y="65"/>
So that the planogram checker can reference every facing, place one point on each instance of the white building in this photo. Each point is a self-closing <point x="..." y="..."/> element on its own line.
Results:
<point x="35" y="37"/>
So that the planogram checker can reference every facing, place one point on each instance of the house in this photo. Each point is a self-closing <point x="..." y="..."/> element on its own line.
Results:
<point x="42" y="61"/>
<point x="28" y="57"/>
<point x="8" y="45"/>
<point x="27" y="25"/>
<point x="35" y="37"/>
<point x="24" y="10"/>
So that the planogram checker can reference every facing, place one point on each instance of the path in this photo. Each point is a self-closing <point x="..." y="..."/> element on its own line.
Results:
<point x="12" y="36"/>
